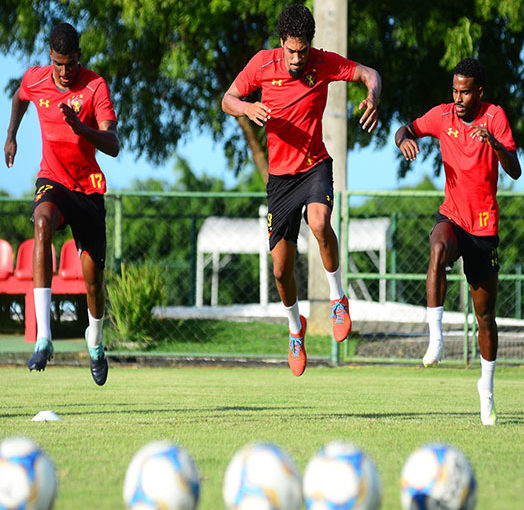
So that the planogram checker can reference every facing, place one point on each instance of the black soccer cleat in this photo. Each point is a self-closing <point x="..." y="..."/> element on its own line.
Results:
<point x="99" y="370"/>
<point x="44" y="351"/>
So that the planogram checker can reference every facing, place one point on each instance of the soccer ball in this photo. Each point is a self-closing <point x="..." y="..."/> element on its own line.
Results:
<point x="161" y="476"/>
<point x="261" y="476"/>
<point x="438" y="476"/>
<point x="340" y="476"/>
<point x="27" y="476"/>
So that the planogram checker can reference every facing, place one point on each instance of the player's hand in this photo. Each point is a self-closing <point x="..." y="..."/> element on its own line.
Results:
<point x="483" y="135"/>
<point x="70" y="116"/>
<point x="258" y="113"/>
<point x="10" y="151"/>
<point x="369" y="118"/>
<point x="409" y="149"/>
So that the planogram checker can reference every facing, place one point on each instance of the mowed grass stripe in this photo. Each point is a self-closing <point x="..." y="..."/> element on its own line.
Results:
<point x="387" y="410"/>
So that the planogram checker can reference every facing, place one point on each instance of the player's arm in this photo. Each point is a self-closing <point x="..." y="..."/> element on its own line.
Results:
<point x="232" y="104"/>
<point x="372" y="80"/>
<point x="405" y="138"/>
<point x="18" y="109"/>
<point x="508" y="159"/>
<point x="105" y="138"/>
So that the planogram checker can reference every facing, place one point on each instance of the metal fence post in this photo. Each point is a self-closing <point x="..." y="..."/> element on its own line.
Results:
<point x="118" y="233"/>
<point x="337" y="212"/>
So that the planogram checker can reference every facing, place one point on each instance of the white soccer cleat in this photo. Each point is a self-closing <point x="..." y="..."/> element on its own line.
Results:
<point x="488" y="415"/>
<point x="433" y="354"/>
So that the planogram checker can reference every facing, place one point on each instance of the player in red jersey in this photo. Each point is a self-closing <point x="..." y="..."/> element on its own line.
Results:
<point x="474" y="138"/>
<point x="294" y="82"/>
<point x="76" y="118"/>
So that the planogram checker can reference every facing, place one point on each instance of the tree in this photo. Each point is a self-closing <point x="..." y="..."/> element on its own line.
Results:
<point x="168" y="63"/>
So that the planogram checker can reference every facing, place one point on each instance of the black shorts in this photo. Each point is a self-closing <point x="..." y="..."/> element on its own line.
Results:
<point x="288" y="194"/>
<point x="85" y="213"/>
<point x="479" y="253"/>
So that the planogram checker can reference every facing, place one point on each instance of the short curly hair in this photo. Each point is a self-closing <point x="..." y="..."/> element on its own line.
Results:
<point x="471" y="68"/>
<point x="296" y="20"/>
<point x="64" y="39"/>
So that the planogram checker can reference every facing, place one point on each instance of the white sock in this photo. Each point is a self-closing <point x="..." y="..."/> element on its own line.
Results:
<point x="43" y="312"/>
<point x="293" y="317"/>
<point x="434" y="316"/>
<point x="487" y="371"/>
<point x="94" y="335"/>
<point x="335" y="284"/>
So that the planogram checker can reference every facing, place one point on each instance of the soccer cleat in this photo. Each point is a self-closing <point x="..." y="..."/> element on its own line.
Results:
<point x="341" y="318"/>
<point x="433" y="354"/>
<point x="297" y="357"/>
<point x="44" y="351"/>
<point x="99" y="366"/>
<point x="488" y="415"/>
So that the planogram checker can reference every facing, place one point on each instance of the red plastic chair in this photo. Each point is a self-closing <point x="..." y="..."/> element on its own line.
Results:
<point x="24" y="260"/>
<point x="6" y="259"/>
<point x="70" y="267"/>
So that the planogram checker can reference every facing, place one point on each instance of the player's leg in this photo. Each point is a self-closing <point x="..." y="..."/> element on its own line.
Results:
<point x="484" y="297"/>
<point x="443" y="252"/>
<point x="47" y="218"/>
<point x="283" y="255"/>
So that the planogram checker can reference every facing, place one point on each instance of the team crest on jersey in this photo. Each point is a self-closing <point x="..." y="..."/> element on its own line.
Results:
<point x="76" y="103"/>
<point x="310" y="78"/>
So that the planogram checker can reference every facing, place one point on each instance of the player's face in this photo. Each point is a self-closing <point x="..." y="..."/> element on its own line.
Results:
<point x="467" y="96"/>
<point x="296" y="52"/>
<point x="65" y="68"/>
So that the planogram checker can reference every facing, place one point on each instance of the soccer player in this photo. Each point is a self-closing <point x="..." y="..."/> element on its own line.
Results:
<point x="76" y="118"/>
<point x="294" y="82"/>
<point x="474" y="138"/>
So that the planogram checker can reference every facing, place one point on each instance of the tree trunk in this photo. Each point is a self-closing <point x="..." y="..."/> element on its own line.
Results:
<point x="256" y="149"/>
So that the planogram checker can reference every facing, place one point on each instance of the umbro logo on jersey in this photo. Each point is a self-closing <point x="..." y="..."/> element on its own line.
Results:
<point x="453" y="132"/>
<point x="44" y="102"/>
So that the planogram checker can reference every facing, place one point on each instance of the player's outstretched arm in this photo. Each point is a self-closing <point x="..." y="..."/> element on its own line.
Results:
<point x="405" y="139"/>
<point x="372" y="80"/>
<point x="232" y="104"/>
<point x="508" y="159"/>
<point x="105" y="138"/>
<point x="18" y="109"/>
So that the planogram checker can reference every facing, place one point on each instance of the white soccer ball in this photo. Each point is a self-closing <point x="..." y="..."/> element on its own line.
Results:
<point x="162" y="476"/>
<point x="27" y="476"/>
<point x="261" y="476"/>
<point x="340" y="476"/>
<point x="438" y="476"/>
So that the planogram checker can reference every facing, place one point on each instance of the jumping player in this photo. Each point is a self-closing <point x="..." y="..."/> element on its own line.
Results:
<point x="294" y="82"/>
<point x="76" y="118"/>
<point x="474" y="138"/>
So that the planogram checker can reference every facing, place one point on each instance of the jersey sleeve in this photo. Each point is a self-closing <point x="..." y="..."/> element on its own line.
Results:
<point x="248" y="79"/>
<point x="340" y="68"/>
<point x="24" y="93"/>
<point x="501" y="130"/>
<point x="429" y="124"/>
<point x="102" y="103"/>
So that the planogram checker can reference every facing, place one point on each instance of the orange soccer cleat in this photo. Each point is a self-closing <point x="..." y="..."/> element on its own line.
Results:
<point x="341" y="318"/>
<point x="297" y="357"/>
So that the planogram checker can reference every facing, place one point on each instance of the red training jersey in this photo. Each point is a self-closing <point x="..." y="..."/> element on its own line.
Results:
<point x="294" y="131"/>
<point x="66" y="157"/>
<point x="471" y="166"/>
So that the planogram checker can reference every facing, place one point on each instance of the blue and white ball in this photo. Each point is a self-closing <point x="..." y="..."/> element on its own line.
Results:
<point x="27" y="476"/>
<point x="162" y="476"/>
<point x="261" y="476"/>
<point x="438" y="476"/>
<point x="340" y="476"/>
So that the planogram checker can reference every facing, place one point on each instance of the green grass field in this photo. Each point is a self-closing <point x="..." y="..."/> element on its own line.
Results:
<point x="214" y="411"/>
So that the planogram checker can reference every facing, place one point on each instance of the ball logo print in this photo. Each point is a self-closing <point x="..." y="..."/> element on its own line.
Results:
<point x="162" y="476"/>
<point x="438" y="476"/>
<point x="261" y="476"/>
<point x="340" y="476"/>
<point x="27" y="476"/>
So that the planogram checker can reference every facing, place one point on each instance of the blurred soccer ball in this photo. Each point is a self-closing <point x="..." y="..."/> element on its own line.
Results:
<point x="341" y="476"/>
<point x="27" y="476"/>
<point x="438" y="476"/>
<point x="161" y="476"/>
<point x="261" y="476"/>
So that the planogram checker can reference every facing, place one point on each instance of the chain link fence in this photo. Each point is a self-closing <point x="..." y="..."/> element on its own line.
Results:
<point x="219" y="295"/>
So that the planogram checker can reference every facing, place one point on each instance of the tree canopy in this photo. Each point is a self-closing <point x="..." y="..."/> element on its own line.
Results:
<point x="169" y="63"/>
